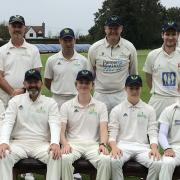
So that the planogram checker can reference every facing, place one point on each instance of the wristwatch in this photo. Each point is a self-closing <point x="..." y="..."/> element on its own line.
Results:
<point x="102" y="144"/>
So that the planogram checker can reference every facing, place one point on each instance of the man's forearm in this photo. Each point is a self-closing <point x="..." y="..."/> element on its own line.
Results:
<point x="5" y="86"/>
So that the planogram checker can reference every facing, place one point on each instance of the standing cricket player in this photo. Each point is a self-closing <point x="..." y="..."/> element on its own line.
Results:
<point x="112" y="59"/>
<point x="62" y="68"/>
<point x="162" y="68"/>
<point x="16" y="57"/>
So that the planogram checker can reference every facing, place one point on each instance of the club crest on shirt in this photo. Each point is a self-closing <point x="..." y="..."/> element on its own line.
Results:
<point x="20" y="107"/>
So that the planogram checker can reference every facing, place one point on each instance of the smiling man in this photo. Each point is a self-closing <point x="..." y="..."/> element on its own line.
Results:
<point x="61" y="68"/>
<point x="162" y="68"/>
<point x="16" y="57"/>
<point x="112" y="59"/>
<point x="32" y="121"/>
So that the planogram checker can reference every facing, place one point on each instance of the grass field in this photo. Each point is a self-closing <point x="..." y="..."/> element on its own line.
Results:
<point x="144" y="95"/>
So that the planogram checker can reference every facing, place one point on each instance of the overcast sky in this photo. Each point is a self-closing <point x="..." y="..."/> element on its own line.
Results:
<point x="57" y="14"/>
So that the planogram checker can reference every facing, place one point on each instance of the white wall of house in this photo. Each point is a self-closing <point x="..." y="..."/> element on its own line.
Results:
<point x="31" y="34"/>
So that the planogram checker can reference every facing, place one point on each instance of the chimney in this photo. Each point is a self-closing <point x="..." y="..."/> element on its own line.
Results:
<point x="43" y="26"/>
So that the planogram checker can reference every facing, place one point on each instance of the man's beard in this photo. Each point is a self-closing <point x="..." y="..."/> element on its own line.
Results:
<point x="33" y="91"/>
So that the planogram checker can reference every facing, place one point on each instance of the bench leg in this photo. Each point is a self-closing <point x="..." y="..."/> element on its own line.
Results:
<point x="92" y="176"/>
<point x="15" y="175"/>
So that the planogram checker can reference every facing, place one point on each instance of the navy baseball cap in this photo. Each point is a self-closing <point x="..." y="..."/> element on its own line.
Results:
<point x="114" y="21"/>
<point x="133" y="80"/>
<point x="169" y="25"/>
<point x="32" y="74"/>
<point x="85" y="75"/>
<point x="67" y="32"/>
<point x="16" y="19"/>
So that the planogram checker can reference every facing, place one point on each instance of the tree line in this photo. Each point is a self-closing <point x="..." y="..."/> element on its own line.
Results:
<point x="142" y="19"/>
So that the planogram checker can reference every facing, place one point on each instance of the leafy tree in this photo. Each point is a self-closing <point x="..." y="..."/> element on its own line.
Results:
<point x="142" y="20"/>
<point x="4" y="33"/>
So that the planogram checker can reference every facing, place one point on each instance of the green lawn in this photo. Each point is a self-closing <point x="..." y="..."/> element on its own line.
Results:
<point x="141" y="58"/>
<point x="145" y="92"/>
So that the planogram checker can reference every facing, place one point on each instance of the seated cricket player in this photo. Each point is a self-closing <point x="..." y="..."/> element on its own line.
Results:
<point x="32" y="121"/>
<point x="2" y="109"/>
<point x="133" y="132"/>
<point x="84" y="130"/>
<point x="169" y="139"/>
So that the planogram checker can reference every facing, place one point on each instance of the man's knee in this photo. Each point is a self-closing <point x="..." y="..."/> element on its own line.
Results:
<point x="116" y="163"/>
<point x="67" y="159"/>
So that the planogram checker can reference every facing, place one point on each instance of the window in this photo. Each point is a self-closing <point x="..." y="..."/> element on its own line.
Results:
<point x="30" y="34"/>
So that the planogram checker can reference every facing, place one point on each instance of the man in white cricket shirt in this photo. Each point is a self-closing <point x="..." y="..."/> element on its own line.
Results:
<point x="112" y="59"/>
<point x="133" y="132"/>
<point x="32" y="120"/>
<point x="169" y="139"/>
<point x="61" y="69"/>
<point x="162" y="68"/>
<point x="84" y="130"/>
<point x="16" y="57"/>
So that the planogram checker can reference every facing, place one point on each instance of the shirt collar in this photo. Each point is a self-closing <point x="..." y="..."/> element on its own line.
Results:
<point x="78" y="105"/>
<point x="74" y="57"/>
<point x="10" y="45"/>
<point x="166" y="54"/>
<point x="138" y="105"/>
<point x="108" y="45"/>
<point x="38" y="100"/>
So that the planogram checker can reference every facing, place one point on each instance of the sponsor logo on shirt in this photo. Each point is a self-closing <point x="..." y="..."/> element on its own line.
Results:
<point x="92" y="111"/>
<point x="40" y="110"/>
<point x="141" y="115"/>
<point x="177" y="122"/>
<point x="169" y="79"/>
<point x="114" y="66"/>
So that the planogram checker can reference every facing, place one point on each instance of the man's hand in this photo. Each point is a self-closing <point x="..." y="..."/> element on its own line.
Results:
<point x="103" y="149"/>
<point x="17" y="92"/>
<point x="169" y="152"/>
<point x="66" y="149"/>
<point x="3" y="148"/>
<point x="155" y="153"/>
<point x="116" y="152"/>
<point x="56" y="151"/>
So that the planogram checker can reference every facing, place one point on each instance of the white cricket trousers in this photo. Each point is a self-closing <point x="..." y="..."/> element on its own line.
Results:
<point x="168" y="165"/>
<point x="139" y="154"/>
<point x="159" y="103"/>
<point x="111" y="99"/>
<point x="90" y="152"/>
<point x="61" y="99"/>
<point x="23" y="149"/>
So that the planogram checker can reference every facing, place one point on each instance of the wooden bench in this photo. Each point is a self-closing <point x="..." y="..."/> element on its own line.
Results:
<point x="130" y="168"/>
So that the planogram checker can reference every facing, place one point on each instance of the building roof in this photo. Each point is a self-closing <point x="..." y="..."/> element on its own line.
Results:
<point x="37" y="29"/>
